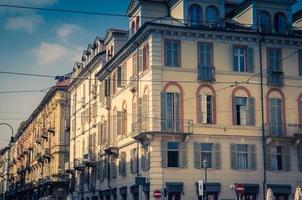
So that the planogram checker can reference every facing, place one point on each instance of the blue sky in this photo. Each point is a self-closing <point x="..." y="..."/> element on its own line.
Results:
<point x="47" y="43"/>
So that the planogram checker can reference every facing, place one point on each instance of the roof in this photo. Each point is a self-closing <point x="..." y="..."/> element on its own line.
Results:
<point x="297" y="15"/>
<point x="134" y="3"/>
<point x="110" y="32"/>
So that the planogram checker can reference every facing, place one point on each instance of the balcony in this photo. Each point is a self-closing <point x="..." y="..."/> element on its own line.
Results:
<point x="206" y="73"/>
<point x="47" y="154"/>
<point x="44" y="134"/>
<point x="275" y="78"/>
<point x="283" y="131"/>
<point x="83" y="102"/>
<point x="79" y="164"/>
<point x="69" y="167"/>
<point x="90" y="159"/>
<point x="38" y="141"/>
<point x="152" y="124"/>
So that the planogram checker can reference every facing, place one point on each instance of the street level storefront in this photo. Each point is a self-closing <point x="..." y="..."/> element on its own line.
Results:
<point x="213" y="190"/>
<point x="280" y="192"/>
<point x="174" y="190"/>
<point x="249" y="192"/>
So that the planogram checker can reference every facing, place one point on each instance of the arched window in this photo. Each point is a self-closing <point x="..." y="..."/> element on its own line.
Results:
<point x="275" y="106"/>
<point x="145" y="110"/>
<point x="280" y="23"/>
<point x="206" y="104"/>
<point x="243" y="107"/>
<point x="124" y="119"/>
<point x="195" y="15"/>
<point x="212" y="14"/>
<point x="264" y="21"/>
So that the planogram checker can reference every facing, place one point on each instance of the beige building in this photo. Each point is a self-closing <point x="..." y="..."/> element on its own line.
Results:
<point x="4" y="167"/>
<point x="184" y="88"/>
<point x="41" y="148"/>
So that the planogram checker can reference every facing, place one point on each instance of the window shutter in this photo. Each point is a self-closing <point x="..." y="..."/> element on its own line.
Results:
<point x="285" y="158"/>
<point x="250" y="59"/>
<point x="216" y="155"/>
<point x="163" y="111"/>
<point x="119" y="123"/>
<point x="164" y="153"/>
<point x="139" y="114"/>
<point x="140" y="60"/>
<point x="234" y="110"/>
<point x="119" y="76"/>
<point x="268" y="157"/>
<point x="251" y="113"/>
<point x="123" y="75"/>
<point x="299" y="153"/>
<point x="199" y="118"/>
<point x="123" y="164"/>
<point x="233" y="156"/>
<point x="113" y="167"/>
<point x="105" y="134"/>
<point x="252" y="156"/>
<point x="145" y="112"/>
<point x="197" y="155"/>
<point x="101" y="93"/>
<point x="204" y="109"/>
<point x="235" y="62"/>
<point x="177" y="112"/>
<point x="183" y="148"/>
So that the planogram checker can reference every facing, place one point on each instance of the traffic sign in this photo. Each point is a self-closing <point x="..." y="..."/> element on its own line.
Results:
<point x="239" y="188"/>
<point x="200" y="188"/>
<point x="157" y="194"/>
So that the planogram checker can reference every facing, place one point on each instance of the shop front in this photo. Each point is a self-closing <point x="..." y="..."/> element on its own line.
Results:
<point x="174" y="190"/>
<point x="212" y="190"/>
<point x="247" y="191"/>
<point x="280" y="192"/>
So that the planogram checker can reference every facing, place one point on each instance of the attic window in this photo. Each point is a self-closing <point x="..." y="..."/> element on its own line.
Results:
<point x="132" y="29"/>
<point x="195" y="15"/>
<point x="264" y="21"/>
<point x="280" y="24"/>
<point x="137" y="23"/>
<point x="212" y="14"/>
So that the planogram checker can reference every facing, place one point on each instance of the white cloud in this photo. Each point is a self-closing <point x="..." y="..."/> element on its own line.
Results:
<point x="24" y="23"/>
<point x="48" y="53"/>
<point x="66" y="30"/>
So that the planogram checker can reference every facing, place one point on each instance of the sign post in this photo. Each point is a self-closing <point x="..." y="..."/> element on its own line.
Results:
<point x="200" y="188"/>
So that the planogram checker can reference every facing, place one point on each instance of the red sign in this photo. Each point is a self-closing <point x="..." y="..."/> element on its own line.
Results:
<point x="239" y="188"/>
<point x="157" y="194"/>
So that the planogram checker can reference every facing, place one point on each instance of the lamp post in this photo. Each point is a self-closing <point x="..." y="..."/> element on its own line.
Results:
<point x="205" y="165"/>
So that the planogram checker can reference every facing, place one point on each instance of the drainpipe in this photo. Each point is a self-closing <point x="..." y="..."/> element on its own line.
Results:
<point x="262" y="119"/>
<point x="89" y="120"/>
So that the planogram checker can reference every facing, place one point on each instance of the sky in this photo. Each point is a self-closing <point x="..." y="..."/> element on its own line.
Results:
<point x="49" y="43"/>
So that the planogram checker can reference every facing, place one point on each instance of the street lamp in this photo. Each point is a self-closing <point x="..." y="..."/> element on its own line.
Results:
<point x="205" y="165"/>
<point x="12" y="138"/>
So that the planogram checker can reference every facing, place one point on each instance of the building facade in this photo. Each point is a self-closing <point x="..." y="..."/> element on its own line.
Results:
<point x="40" y="150"/>
<point x="4" y="167"/>
<point x="184" y="88"/>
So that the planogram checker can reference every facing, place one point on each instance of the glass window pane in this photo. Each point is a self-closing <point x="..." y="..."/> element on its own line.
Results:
<point x="173" y="145"/>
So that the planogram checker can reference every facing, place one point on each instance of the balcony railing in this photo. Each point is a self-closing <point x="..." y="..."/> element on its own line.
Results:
<point x="47" y="154"/>
<point x="206" y="73"/>
<point x="275" y="78"/>
<point x="152" y="124"/>
<point x="79" y="164"/>
<point x="283" y="130"/>
<point x="90" y="159"/>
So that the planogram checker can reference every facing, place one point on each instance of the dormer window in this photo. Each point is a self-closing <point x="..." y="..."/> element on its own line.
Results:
<point x="212" y="14"/>
<point x="195" y="15"/>
<point x="132" y="29"/>
<point x="264" y="21"/>
<point x="137" y="23"/>
<point x="280" y="24"/>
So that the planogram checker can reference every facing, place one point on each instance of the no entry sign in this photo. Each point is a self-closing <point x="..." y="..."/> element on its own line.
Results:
<point x="157" y="194"/>
<point x="239" y="188"/>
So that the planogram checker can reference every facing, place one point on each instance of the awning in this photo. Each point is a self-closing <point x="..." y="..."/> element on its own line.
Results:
<point x="280" y="189"/>
<point x="211" y="187"/>
<point x="134" y="189"/>
<point x="106" y="192"/>
<point x="174" y="186"/>
<point x="113" y="191"/>
<point x="146" y="187"/>
<point x="123" y="190"/>
<point x="251" y="188"/>
<point x="101" y="193"/>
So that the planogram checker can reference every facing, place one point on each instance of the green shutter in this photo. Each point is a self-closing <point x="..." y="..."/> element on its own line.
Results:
<point x="199" y="107"/>
<point x="251" y="113"/>
<point x="252" y="156"/>
<point x="216" y="155"/>
<point x="285" y="158"/>
<point x="119" y="122"/>
<point x="177" y="108"/>
<point x="145" y="113"/>
<point x="299" y="153"/>
<point x="139" y="114"/>
<point x="235" y="64"/>
<point x="234" y="110"/>
<point x="183" y="151"/>
<point x="268" y="157"/>
<point x="233" y="156"/>
<point x="163" y="111"/>
<point x="119" y="76"/>
<point x="250" y="59"/>
<point x="197" y="154"/>
<point x="164" y="153"/>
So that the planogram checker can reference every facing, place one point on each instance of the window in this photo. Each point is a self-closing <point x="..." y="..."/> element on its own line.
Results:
<point x="121" y="76"/>
<point x="134" y="65"/>
<point x="122" y="164"/>
<point x="242" y="156"/>
<point x="145" y="112"/>
<point x="134" y="114"/>
<point x="275" y="117"/>
<point x="205" y="62"/>
<point x="277" y="158"/>
<point x="172" y="53"/>
<point x="124" y="121"/>
<point x="206" y="154"/>
<point x="240" y="59"/>
<point x="132" y="28"/>
<point x="146" y="57"/>
<point x="212" y="14"/>
<point x="173" y="154"/>
<point x="133" y="161"/>
<point x="170" y="112"/>
<point x="264" y="21"/>
<point x="275" y="74"/>
<point x="145" y="158"/>
<point x="244" y="111"/>
<point x="137" y="23"/>
<point x="195" y="15"/>
<point x="206" y="114"/>
<point x="280" y="25"/>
